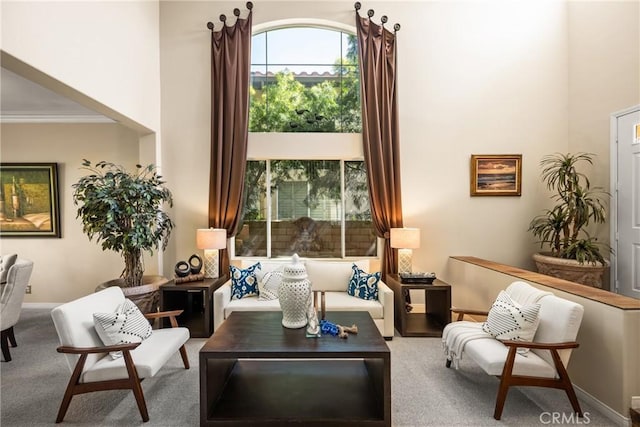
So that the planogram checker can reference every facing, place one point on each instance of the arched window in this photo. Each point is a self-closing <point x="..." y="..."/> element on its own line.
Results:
<point x="304" y="79"/>
<point x="305" y="184"/>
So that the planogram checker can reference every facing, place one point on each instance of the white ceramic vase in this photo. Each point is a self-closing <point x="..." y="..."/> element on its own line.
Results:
<point x="293" y="294"/>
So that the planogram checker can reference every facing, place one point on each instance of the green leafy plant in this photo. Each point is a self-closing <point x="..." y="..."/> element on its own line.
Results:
<point x="578" y="205"/>
<point x="123" y="211"/>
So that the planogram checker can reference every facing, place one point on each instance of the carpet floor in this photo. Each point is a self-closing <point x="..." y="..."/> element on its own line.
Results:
<point x="424" y="392"/>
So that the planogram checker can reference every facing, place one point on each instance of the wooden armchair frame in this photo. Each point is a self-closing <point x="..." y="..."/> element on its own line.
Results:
<point x="131" y="382"/>
<point x="462" y="311"/>
<point x="507" y="379"/>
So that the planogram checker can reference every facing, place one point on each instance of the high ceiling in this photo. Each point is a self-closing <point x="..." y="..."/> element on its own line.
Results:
<point x="23" y="101"/>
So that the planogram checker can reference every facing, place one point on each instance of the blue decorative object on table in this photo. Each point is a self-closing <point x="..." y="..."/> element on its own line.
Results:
<point x="328" y="327"/>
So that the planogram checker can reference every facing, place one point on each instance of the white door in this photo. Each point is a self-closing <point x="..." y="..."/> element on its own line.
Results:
<point x="626" y="186"/>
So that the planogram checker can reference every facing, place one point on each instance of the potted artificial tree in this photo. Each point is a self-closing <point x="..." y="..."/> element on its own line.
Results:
<point x="574" y="254"/>
<point x="123" y="211"/>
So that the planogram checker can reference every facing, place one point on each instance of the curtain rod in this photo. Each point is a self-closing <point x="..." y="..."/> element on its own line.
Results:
<point x="370" y="14"/>
<point x="223" y="17"/>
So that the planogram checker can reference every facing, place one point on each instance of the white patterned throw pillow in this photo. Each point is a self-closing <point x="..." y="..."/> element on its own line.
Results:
<point x="508" y="320"/>
<point x="126" y="325"/>
<point x="269" y="284"/>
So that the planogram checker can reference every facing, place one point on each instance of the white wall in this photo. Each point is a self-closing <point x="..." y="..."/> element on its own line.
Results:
<point x="473" y="78"/>
<point x="603" y="38"/>
<point x="72" y="266"/>
<point x="108" y="51"/>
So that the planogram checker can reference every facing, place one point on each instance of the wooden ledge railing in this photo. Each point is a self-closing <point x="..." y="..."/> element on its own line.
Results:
<point x="615" y="300"/>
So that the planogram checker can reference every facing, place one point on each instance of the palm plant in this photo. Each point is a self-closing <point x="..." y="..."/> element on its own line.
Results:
<point x="578" y="205"/>
<point x="124" y="211"/>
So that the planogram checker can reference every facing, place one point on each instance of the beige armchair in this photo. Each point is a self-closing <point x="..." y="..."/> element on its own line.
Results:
<point x="11" y="302"/>
<point x="540" y="363"/>
<point x="93" y="369"/>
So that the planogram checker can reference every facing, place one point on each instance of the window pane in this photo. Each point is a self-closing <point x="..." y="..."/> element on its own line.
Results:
<point x="259" y="49"/>
<point x="306" y="208"/>
<point x="303" y="45"/>
<point x="258" y="105"/>
<point x="360" y="237"/>
<point x="252" y="238"/>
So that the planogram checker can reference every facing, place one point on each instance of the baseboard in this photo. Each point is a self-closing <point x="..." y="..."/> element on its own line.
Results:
<point x="40" y="304"/>
<point x="617" y="418"/>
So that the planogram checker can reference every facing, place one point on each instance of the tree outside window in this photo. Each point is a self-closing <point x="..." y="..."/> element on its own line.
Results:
<point x="316" y="208"/>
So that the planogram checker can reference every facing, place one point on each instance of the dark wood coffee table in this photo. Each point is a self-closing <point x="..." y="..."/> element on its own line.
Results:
<point x="253" y="371"/>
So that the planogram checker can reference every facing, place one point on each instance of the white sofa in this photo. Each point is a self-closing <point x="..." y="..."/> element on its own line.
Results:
<point x="329" y="276"/>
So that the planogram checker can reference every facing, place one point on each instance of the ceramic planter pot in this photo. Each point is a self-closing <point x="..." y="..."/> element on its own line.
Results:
<point x="146" y="296"/>
<point x="571" y="270"/>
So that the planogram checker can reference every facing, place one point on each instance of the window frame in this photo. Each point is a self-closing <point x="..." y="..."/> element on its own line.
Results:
<point x="317" y="145"/>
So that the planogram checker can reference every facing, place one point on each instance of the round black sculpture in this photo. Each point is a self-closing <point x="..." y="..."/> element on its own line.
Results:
<point x="195" y="268"/>
<point x="182" y="269"/>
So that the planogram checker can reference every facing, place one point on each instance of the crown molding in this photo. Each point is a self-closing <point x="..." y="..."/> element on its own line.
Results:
<point x="48" y="118"/>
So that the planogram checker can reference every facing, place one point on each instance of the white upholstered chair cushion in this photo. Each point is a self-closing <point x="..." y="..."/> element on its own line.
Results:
<point x="560" y="321"/>
<point x="490" y="355"/>
<point x="74" y="322"/>
<point x="148" y="358"/>
<point x="332" y="275"/>
<point x="13" y="292"/>
<point x="335" y="301"/>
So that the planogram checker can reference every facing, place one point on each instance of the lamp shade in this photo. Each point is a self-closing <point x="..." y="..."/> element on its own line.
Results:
<point x="211" y="238"/>
<point x="405" y="238"/>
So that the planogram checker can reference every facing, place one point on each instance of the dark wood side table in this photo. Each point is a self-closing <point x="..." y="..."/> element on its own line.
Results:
<point x="196" y="299"/>
<point x="437" y="308"/>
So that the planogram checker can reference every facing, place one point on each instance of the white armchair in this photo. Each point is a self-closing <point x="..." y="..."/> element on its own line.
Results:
<point x="543" y="366"/>
<point x="11" y="302"/>
<point x="92" y="367"/>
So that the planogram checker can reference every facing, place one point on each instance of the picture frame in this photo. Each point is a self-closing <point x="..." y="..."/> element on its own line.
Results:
<point x="496" y="174"/>
<point x="29" y="205"/>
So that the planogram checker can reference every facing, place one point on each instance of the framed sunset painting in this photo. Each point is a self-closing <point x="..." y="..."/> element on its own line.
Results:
<point x="496" y="174"/>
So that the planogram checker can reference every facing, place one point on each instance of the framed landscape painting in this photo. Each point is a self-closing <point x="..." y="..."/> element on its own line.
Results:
<point x="496" y="174"/>
<point x="29" y="200"/>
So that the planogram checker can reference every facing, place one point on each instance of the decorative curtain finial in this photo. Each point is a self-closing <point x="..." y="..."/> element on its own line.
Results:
<point x="210" y="25"/>
<point x="370" y="13"/>
<point x="384" y="19"/>
<point x="236" y="12"/>
<point x="223" y="17"/>
<point x="357" y="5"/>
<point x="249" y="5"/>
<point x="396" y="27"/>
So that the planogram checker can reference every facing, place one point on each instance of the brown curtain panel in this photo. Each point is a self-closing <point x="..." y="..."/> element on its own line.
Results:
<point x="230" y="68"/>
<point x="377" y="55"/>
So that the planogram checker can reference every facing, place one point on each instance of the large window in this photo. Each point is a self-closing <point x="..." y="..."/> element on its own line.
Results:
<point x="305" y="193"/>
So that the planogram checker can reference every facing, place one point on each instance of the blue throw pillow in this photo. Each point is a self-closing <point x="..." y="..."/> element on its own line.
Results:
<point x="244" y="282"/>
<point x="363" y="285"/>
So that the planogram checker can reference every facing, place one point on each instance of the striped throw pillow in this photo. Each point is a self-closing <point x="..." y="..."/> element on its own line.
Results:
<point x="126" y="325"/>
<point x="508" y="320"/>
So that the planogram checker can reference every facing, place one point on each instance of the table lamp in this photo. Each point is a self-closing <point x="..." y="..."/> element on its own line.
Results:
<point x="211" y="239"/>
<point x="405" y="239"/>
